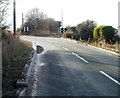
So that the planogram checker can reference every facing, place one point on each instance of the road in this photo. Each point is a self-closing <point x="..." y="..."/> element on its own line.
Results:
<point x="66" y="68"/>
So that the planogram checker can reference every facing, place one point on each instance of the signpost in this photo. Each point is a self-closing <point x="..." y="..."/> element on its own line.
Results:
<point x="62" y="30"/>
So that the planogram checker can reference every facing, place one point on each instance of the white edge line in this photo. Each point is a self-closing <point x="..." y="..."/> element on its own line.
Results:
<point x="22" y="93"/>
<point x="79" y="57"/>
<point x="110" y="77"/>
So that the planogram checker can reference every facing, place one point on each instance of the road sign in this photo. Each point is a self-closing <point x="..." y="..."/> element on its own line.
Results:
<point x="62" y="30"/>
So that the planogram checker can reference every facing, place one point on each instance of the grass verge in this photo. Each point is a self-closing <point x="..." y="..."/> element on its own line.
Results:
<point x="15" y="54"/>
<point x="111" y="47"/>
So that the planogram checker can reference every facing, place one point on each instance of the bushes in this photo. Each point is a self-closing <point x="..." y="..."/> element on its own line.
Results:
<point x="108" y="33"/>
<point x="86" y="28"/>
<point x="76" y="36"/>
<point x="96" y="33"/>
<point x="104" y="32"/>
<point x="70" y="34"/>
<point x="67" y="34"/>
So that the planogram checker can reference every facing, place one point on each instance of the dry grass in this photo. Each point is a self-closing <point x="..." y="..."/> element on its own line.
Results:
<point x="12" y="47"/>
<point x="15" y="54"/>
<point x="111" y="47"/>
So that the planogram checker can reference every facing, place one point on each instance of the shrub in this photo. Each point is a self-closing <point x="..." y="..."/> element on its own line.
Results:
<point x="108" y="33"/>
<point x="104" y="32"/>
<point x="76" y="36"/>
<point x="70" y="34"/>
<point x="86" y="29"/>
<point x="97" y="32"/>
<point x="67" y="34"/>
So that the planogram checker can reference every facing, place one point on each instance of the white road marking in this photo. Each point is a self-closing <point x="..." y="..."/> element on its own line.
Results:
<point x="110" y="77"/>
<point x="62" y="47"/>
<point x="22" y="93"/>
<point x="58" y="44"/>
<point x="65" y="48"/>
<point x="79" y="57"/>
<point x="42" y="64"/>
<point x="34" y="46"/>
<point x="109" y="54"/>
<point x="34" y="91"/>
<point x="34" y="85"/>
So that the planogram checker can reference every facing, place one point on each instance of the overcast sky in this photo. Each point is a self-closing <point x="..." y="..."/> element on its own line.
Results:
<point x="119" y="13"/>
<point x="104" y="12"/>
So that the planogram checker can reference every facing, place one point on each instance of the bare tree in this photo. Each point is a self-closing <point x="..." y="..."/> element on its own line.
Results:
<point x="3" y="13"/>
<point x="3" y="9"/>
<point x="34" y="20"/>
<point x="35" y="14"/>
<point x="39" y="22"/>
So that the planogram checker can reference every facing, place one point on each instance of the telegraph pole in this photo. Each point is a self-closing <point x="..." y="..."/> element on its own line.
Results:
<point x="22" y="19"/>
<point x="14" y="17"/>
<point x="62" y="19"/>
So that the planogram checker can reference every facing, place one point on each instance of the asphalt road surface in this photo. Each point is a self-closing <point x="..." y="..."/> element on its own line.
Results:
<point x="66" y="68"/>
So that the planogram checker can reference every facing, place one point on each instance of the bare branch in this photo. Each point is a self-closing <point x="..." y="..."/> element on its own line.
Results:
<point x="3" y="9"/>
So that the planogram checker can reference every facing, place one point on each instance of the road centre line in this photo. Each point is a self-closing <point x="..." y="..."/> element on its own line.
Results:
<point x="58" y="44"/>
<point x="65" y="48"/>
<point x="110" y="77"/>
<point x="62" y="47"/>
<point x="74" y="54"/>
<point x="80" y="57"/>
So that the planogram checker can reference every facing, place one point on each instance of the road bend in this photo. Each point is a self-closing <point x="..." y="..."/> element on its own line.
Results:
<point x="66" y="68"/>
